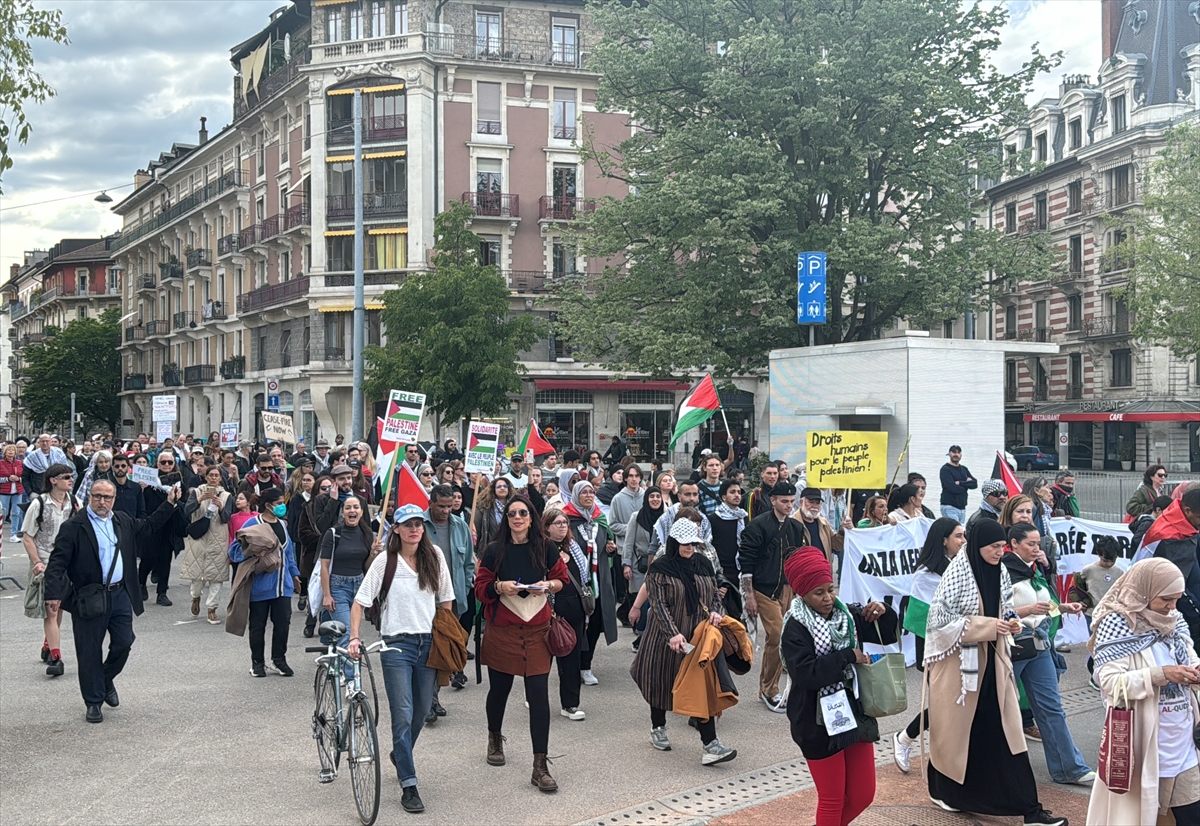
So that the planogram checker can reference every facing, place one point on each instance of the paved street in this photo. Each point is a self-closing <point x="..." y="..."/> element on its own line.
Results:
<point x="198" y="741"/>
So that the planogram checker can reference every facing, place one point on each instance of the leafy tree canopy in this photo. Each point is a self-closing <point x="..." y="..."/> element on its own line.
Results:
<point x="1164" y="283"/>
<point x="448" y="332"/>
<point x="20" y="24"/>
<point x="83" y="359"/>
<point x="770" y="127"/>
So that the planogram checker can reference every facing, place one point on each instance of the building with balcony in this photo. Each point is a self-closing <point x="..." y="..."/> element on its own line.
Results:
<point x="76" y="278"/>
<point x="1078" y="161"/>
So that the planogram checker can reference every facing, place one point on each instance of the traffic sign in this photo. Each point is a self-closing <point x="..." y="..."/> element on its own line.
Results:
<point x="273" y="404"/>
<point x="272" y="386"/>
<point x="810" y="288"/>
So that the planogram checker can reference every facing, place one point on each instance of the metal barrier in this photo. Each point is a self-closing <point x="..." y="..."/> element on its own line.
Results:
<point x="1102" y="494"/>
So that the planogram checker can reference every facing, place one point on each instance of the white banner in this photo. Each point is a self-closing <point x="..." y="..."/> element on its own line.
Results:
<point x="277" y="427"/>
<point x="1076" y="540"/>
<point x="163" y="430"/>
<point x="229" y="434"/>
<point x="146" y="476"/>
<point x="164" y="408"/>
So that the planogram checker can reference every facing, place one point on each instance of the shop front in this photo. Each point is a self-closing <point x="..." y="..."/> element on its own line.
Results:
<point x="565" y="418"/>
<point x="1128" y="436"/>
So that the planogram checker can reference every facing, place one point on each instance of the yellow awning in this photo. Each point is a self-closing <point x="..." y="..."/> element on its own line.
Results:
<point x="349" y="308"/>
<point x="395" y="87"/>
<point x="333" y="92"/>
<point x="388" y="231"/>
<point x="335" y="233"/>
<point x="321" y="3"/>
<point x="339" y="158"/>
<point x="400" y="153"/>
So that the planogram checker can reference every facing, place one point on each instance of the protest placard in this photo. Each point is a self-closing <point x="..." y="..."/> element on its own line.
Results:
<point x="164" y="408"/>
<point x="229" y="434"/>
<point x="481" y="447"/>
<point x="162" y="430"/>
<point x="147" y="476"/>
<point x="847" y="459"/>
<point x="277" y="427"/>
<point x="402" y="423"/>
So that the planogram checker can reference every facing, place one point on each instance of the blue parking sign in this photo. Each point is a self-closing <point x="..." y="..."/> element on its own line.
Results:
<point x="810" y="288"/>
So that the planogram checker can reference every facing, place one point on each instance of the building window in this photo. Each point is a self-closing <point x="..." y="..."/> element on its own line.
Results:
<point x="1010" y="156"/>
<point x="1010" y="321"/>
<point x="1117" y="104"/>
<point x="564" y="180"/>
<point x="333" y="25"/>
<point x="1075" y="133"/>
<point x="488" y="177"/>
<point x="489" y="250"/>
<point x="1075" y="197"/>
<point x="399" y="18"/>
<point x="562" y="259"/>
<point x="284" y="127"/>
<point x="1010" y="219"/>
<point x="1119" y="186"/>
<point x="262" y="352"/>
<point x="489" y="106"/>
<point x="1039" y="148"/>
<point x="948" y="328"/>
<point x="1122" y="368"/>
<point x="1041" y="213"/>
<point x="1075" y="245"/>
<point x="1074" y="312"/>
<point x="1075" y="377"/>
<point x="387" y="251"/>
<point x="379" y="18"/>
<point x="339" y="253"/>
<point x="388" y="116"/>
<point x="285" y="354"/>
<point x="261" y="152"/>
<point x="1115" y="258"/>
<point x="564" y="114"/>
<point x="1010" y="380"/>
<point x="487" y="34"/>
<point x="583" y="397"/>
<point x="354" y="29"/>
<point x="565" y="41"/>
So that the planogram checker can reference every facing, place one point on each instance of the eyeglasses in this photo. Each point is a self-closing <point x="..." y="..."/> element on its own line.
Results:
<point x="560" y="523"/>
<point x="166" y="464"/>
<point x="102" y="497"/>
<point x="522" y="513"/>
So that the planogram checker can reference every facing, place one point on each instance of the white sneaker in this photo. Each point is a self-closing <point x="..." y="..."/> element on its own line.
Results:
<point x="588" y="677"/>
<point x="901" y="753"/>
<point x="777" y="704"/>
<point x="715" y="753"/>
<point x="658" y="738"/>
<point x="943" y="806"/>
<point x="572" y="713"/>
<point x="1085" y="779"/>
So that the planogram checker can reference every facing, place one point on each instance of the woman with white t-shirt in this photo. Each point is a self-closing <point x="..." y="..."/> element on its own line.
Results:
<point x="419" y="587"/>
<point x="1145" y="661"/>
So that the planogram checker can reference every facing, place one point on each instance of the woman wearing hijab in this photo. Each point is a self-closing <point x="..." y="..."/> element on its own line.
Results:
<point x="972" y="692"/>
<point x="943" y="542"/>
<point x="683" y="588"/>
<point x="635" y="554"/>
<point x="820" y="642"/>
<point x="1141" y="646"/>
<point x="590" y="530"/>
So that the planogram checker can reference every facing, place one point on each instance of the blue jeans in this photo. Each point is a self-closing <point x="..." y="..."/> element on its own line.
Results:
<point x="10" y="504"/>
<point x="410" y="684"/>
<point x="957" y="514"/>
<point x="1041" y="687"/>
<point x="343" y="590"/>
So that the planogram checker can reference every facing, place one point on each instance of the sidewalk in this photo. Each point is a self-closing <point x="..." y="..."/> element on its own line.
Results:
<point x="901" y="800"/>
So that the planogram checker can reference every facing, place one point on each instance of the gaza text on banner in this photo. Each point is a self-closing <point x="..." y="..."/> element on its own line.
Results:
<point x="481" y="448"/>
<point x="277" y="427"/>
<point x="402" y="424"/>
<point x="847" y="459"/>
<point x="880" y="562"/>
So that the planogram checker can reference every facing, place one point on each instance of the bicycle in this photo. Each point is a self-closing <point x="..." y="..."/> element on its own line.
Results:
<point x="343" y="719"/>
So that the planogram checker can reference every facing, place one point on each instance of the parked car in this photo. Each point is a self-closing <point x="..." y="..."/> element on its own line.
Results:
<point x="1032" y="457"/>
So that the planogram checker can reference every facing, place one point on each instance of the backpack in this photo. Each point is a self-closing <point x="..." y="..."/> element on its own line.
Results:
<point x="375" y="612"/>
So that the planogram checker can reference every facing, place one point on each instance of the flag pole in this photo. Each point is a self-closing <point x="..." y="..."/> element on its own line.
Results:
<point x="900" y="460"/>
<point x="387" y="494"/>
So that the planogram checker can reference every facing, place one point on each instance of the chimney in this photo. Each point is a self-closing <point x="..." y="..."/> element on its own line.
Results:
<point x="141" y="178"/>
<point x="203" y="132"/>
<point x="1111" y="15"/>
<point x="13" y="270"/>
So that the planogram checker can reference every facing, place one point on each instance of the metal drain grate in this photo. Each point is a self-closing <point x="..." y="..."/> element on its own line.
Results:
<point x="1080" y="700"/>
<point x="739" y="792"/>
<point x="912" y="816"/>
<point x="647" y="814"/>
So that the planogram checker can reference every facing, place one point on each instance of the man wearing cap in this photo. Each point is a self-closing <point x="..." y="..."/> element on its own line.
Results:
<point x="995" y="494"/>
<point x="817" y="530"/>
<point x="321" y="457"/>
<point x="766" y="542"/>
<point x="956" y="481"/>
<point x="327" y="507"/>
<point x="516" y="472"/>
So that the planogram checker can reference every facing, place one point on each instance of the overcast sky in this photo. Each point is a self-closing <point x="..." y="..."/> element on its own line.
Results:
<point x="139" y="74"/>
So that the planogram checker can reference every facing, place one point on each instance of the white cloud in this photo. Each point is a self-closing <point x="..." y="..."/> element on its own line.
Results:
<point x="1068" y="26"/>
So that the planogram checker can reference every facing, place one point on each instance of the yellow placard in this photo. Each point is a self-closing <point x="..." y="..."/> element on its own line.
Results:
<point x="847" y="459"/>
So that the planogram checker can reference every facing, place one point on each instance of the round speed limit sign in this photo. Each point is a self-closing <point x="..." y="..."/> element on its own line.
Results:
<point x="272" y="387"/>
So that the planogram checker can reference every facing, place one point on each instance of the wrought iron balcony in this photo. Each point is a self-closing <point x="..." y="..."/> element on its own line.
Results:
<point x="375" y="128"/>
<point x="228" y="245"/>
<point x="375" y="205"/>
<point x="172" y="378"/>
<point x="213" y="311"/>
<point x="199" y="374"/>
<point x="185" y="321"/>
<point x="1106" y="326"/>
<point x="273" y="295"/>
<point x="135" y="333"/>
<point x="507" y="50"/>
<point x="1074" y="391"/>
<point x="296" y="216"/>
<point x="199" y="258"/>
<point x="563" y="208"/>
<point x="172" y="269"/>
<point x="335" y="353"/>
<point x="229" y="180"/>
<point x="135" y="381"/>
<point x="158" y="327"/>
<point x="146" y="281"/>
<point x="493" y="204"/>
<point x="234" y="368"/>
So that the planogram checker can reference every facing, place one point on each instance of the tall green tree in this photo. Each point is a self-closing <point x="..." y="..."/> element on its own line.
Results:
<point x="1164" y="242"/>
<point x="769" y="127"/>
<point x="83" y="359"/>
<point x="20" y="85"/>
<point x="449" y="333"/>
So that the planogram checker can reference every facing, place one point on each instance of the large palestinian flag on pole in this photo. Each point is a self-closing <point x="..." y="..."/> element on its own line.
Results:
<point x="696" y="408"/>
<point x="534" y="441"/>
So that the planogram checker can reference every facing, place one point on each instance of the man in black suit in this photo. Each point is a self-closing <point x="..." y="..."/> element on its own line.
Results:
<point x="97" y="545"/>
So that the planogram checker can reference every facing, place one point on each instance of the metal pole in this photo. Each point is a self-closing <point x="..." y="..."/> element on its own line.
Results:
<point x="357" y="403"/>
<point x="72" y="417"/>
<point x="812" y="336"/>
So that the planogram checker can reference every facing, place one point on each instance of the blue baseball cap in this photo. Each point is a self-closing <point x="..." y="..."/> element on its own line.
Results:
<point x="404" y="513"/>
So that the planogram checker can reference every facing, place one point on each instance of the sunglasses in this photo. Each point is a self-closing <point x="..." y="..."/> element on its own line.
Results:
<point x="522" y="513"/>
<point x="167" y="464"/>
<point x="427" y="473"/>
<point x="64" y="477"/>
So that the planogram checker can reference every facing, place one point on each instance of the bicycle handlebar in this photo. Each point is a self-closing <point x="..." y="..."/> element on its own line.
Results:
<point x="337" y="651"/>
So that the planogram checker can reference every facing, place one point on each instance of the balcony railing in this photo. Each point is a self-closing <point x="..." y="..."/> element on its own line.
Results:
<point x="335" y="353"/>
<point x="1112" y="325"/>
<point x="494" y="204"/>
<point x="185" y="321"/>
<point x="507" y="50"/>
<point x="159" y="327"/>
<point x="229" y="180"/>
<point x="172" y="269"/>
<point x="269" y="228"/>
<point x="16" y="311"/>
<point x="533" y="281"/>
<point x="199" y="374"/>
<point x="397" y="44"/>
<point x="1074" y="391"/>
<point x="135" y="333"/>
<point x="370" y="279"/>
<point x="375" y="205"/>
<point x="1120" y="196"/>
<point x="228" y="245"/>
<point x="213" y="311"/>
<point x="172" y="378"/>
<point x="249" y="236"/>
<point x="375" y="128"/>
<point x="562" y="208"/>
<point x="563" y="132"/>
<point x="234" y="368"/>
<point x="136" y="381"/>
<point x="146" y="281"/>
<point x="296" y="216"/>
<point x="1041" y="394"/>
<point x="273" y="295"/>
<point x="199" y="258"/>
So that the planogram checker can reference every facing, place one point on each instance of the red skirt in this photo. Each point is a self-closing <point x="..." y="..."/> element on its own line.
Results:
<point x="516" y="649"/>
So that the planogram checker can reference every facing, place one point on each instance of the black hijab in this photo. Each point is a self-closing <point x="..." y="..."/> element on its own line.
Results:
<point x="987" y="576"/>
<point x="685" y="570"/>
<point x="646" y="515"/>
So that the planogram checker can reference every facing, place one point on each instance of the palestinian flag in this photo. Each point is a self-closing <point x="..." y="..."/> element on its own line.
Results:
<point x="1172" y="526"/>
<point x="700" y="405"/>
<point x="482" y="442"/>
<point x="916" y="615"/>
<point x="1007" y="476"/>
<point x="533" y="441"/>
<point x="409" y="490"/>
<point x="401" y="410"/>
<point x="385" y="456"/>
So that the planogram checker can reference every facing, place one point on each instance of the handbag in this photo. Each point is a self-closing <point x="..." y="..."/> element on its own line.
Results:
<point x="560" y="639"/>
<point x="882" y="687"/>
<point x="91" y="600"/>
<point x="316" y="593"/>
<point x="1024" y="648"/>
<point x="1116" y="744"/>
<point x="35" y="597"/>
<point x="197" y="528"/>
<point x="586" y="597"/>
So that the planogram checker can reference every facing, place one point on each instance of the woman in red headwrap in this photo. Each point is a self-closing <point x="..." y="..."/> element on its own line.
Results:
<point x="820" y="643"/>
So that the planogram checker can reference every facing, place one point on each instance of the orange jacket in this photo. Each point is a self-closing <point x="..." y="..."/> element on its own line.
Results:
<point x="698" y="691"/>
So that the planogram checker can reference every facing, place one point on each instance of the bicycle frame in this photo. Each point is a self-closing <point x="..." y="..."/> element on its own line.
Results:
<point x="334" y="663"/>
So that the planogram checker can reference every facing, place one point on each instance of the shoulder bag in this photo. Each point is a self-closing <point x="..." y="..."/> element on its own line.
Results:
<point x="586" y="597"/>
<point x="882" y="688"/>
<point x="1115" y="765"/>
<point x="316" y="593"/>
<point x="560" y="640"/>
<point x="91" y="600"/>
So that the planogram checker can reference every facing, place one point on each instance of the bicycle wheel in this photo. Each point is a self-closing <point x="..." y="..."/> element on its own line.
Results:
<point x="364" y="759"/>
<point x="368" y="686"/>
<point x="325" y="724"/>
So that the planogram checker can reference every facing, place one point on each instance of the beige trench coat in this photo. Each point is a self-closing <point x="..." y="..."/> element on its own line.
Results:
<point x="207" y="559"/>
<point x="1142" y="679"/>
<point x="949" y="721"/>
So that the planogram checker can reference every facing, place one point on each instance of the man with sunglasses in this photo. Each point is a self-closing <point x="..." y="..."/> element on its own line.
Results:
<point x="159" y="547"/>
<point x="262" y="478"/>
<point x="98" y="547"/>
<point x="131" y="501"/>
<point x="995" y="494"/>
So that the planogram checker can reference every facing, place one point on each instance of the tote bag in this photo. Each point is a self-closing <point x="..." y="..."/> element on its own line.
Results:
<point x="882" y="688"/>
<point x="1116" y="743"/>
<point x="316" y="593"/>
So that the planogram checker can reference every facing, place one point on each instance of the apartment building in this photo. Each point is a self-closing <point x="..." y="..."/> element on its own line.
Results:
<point x="1106" y="397"/>
<point x="74" y="279"/>
<point x="238" y="249"/>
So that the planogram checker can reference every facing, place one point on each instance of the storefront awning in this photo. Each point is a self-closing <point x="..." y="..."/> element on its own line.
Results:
<point x="1140" y="411"/>
<point x="1112" y="417"/>
<point x="599" y="385"/>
